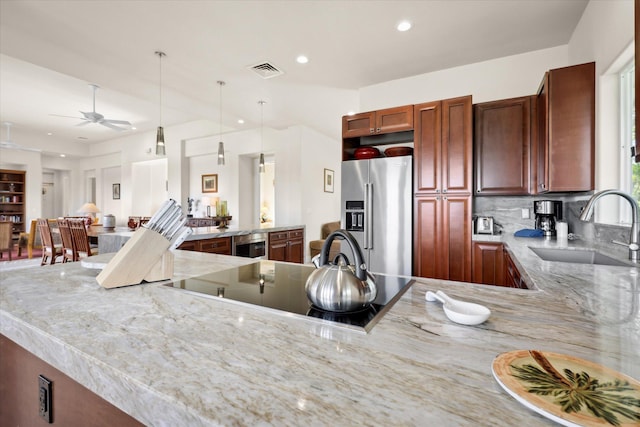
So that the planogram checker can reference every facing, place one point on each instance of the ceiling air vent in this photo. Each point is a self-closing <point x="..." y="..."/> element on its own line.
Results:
<point x="266" y="70"/>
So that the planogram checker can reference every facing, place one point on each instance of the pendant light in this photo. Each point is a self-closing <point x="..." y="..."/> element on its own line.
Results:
<point x="261" y="163"/>
<point x="220" y="144"/>
<point x="160" y="151"/>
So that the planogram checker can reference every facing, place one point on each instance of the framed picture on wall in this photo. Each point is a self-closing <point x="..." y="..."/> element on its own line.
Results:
<point x="116" y="191"/>
<point x="210" y="183"/>
<point x="328" y="181"/>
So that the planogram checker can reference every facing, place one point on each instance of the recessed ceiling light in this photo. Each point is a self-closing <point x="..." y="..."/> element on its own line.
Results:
<point x="63" y="155"/>
<point x="404" y="26"/>
<point x="49" y="133"/>
<point x="301" y="59"/>
<point x="241" y="121"/>
<point x="133" y="128"/>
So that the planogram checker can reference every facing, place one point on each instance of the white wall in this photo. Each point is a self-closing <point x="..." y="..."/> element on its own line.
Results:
<point x="501" y="78"/>
<point x="319" y="153"/>
<point x="301" y="155"/>
<point x="110" y="205"/>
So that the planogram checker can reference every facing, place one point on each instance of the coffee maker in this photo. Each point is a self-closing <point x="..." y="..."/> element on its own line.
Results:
<point x="547" y="212"/>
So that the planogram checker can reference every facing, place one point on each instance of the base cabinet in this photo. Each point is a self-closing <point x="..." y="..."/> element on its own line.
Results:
<point x="492" y="265"/>
<point x="488" y="263"/>
<point x="71" y="403"/>
<point x="218" y="245"/>
<point x="512" y="276"/>
<point x="287" y="246"/>
<point x="442" y="247"/>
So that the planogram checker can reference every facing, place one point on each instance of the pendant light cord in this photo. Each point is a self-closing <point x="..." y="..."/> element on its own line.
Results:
<point x="160" y="55"/>
<point x="221" y="83"/>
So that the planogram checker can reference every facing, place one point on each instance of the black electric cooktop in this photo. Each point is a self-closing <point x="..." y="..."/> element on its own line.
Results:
<point x="280" y="287"/>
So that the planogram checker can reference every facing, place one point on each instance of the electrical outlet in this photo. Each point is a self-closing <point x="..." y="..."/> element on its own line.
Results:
<point x="44" y="395"/>
<point x="525" y="213"/>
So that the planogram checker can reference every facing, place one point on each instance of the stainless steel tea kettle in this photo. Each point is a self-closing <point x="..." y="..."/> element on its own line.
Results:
<point x="339" y="286"/>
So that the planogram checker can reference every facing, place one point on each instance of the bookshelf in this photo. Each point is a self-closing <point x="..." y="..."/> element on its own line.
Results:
<point x="12" y="199"/>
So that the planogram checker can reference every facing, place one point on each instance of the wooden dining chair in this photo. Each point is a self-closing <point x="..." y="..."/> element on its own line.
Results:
<point x="69" y="252"/>
<point x="81" y="239"/>
<point x="6" y="238"/>
<point x="50" y="251"/>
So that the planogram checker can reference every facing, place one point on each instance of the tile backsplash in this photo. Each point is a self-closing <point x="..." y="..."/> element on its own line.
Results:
<point x="507" y="214"/>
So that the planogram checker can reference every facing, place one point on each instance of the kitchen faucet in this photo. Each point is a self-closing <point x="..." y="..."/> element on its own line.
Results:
<point x="635" y="226"/>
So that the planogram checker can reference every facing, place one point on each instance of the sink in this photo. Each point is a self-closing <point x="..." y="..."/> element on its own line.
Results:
<point x="579" y="256"/>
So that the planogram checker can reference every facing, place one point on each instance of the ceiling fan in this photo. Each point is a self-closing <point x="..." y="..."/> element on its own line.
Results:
<point x="95" y="117"/>
<point x="9" y="144"/>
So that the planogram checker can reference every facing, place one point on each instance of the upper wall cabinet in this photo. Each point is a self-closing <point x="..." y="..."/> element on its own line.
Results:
<point x="443" y="146"/>
<point x="565" y="149"/>
<point x="378" y="122"/>
<point x="503" y="131"/>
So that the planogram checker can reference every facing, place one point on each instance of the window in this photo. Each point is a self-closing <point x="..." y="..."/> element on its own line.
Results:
<point x="629" y="170"/>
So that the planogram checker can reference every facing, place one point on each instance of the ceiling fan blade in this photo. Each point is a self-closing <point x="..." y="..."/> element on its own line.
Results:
<point x="10" y="145"/>
<point x="84" y="122"/>
<point x="117" y="122"/>
<point x="68" y="117"/>
<point x="110" y="126"/>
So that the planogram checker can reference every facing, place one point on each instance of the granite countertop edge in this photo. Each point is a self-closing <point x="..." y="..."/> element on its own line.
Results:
<point x="115" y="341"/>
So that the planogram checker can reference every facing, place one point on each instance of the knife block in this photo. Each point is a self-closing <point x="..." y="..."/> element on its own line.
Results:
<point x="143" y="257"/>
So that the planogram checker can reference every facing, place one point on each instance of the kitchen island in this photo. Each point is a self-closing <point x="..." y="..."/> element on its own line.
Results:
<point x="167" y="357"/>
<point x="112" y="242"/>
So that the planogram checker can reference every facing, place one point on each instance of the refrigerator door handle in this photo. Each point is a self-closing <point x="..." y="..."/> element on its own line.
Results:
<point x="365" y="226"/>
<point x="368" y="229"/>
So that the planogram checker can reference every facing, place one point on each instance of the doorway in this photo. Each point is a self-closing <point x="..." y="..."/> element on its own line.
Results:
<point x="267" y="192"/>
<point x="48" y="200"/>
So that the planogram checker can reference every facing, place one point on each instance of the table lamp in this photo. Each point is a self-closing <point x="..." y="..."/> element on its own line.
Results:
<point x="90" y="209"/>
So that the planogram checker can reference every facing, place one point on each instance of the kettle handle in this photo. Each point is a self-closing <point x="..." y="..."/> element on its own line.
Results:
<point x="361" y="272"/>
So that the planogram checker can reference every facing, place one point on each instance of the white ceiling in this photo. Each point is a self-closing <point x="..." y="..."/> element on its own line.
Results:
<point x="51" y="49"/>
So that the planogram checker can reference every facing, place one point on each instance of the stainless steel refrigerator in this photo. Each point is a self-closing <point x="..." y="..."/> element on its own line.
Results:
<point x="377" y="210"/>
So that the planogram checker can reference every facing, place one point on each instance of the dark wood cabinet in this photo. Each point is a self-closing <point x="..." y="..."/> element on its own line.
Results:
<point x="503" y="131"/>
<point x="395" y="119"/>
<point x="442" y="186"/>
<point x="442" y="232"/>
<point x="565" y="148"/>
<point x="218" y="245"/>
<point x="512" y="276"/>
<point x="12" y="199"/>
<point x="492" y="265"/>
<point x="190" y="245"/>
<point x="488" y="263"/>
<point x="72" y="404"/>
<point x="287" y="246"/>
<point x="637" y="62"/>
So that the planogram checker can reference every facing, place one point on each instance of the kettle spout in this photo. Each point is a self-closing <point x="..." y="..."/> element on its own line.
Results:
<point x="316" y="261"/>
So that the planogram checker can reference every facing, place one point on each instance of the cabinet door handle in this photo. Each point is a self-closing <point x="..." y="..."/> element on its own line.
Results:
<point x="378" y="130"/>
<point x="437" y="190"/>
<point x="372" y="130"/>
<point x="444" y="190"/>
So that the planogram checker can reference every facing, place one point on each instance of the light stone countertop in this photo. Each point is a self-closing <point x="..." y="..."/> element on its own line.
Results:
<point x="170" y="358"/>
